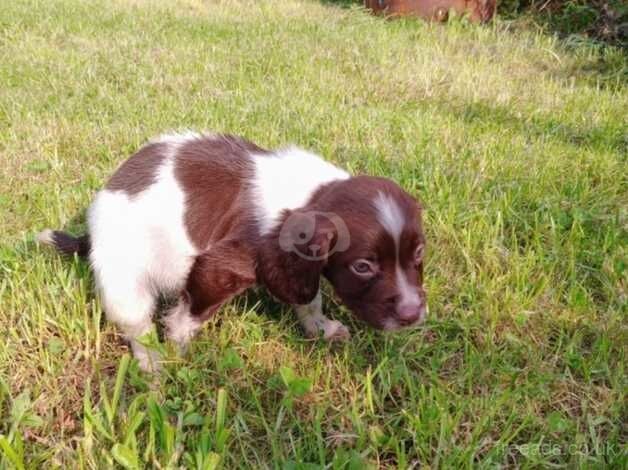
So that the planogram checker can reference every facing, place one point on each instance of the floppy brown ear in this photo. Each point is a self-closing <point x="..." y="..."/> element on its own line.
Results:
<point x="292" y="257"/>
<point x="223" y="271"/>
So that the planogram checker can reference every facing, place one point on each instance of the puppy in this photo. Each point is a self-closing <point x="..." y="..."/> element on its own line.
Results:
<point x="206" y="216"/>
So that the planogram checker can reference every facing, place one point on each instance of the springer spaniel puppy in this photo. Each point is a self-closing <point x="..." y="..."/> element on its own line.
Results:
<point x="205" y="216"/>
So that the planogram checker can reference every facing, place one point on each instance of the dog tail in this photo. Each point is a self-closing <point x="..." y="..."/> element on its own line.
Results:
<point x="65" y="243"/>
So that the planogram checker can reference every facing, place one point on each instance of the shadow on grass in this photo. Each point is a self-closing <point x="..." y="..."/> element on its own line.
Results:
<point x="598" y="138"/>
<point x="601" y="21"/>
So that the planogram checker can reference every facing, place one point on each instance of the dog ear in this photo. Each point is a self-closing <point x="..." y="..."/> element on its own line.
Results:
<point x="223" y="271"/>
<point x="292" y="257"/>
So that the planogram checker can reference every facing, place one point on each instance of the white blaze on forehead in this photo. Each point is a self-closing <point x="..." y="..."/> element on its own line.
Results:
<point x="390" y="215"/>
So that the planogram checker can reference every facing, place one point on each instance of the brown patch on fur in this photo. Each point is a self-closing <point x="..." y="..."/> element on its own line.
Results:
<point x="225" y="270"/>
<point x="140" y="170"/>
<point x="215" y="173"/>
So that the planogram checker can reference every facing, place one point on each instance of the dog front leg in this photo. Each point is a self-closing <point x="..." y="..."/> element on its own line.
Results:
<point x="217" y="275"/>
<point x="314" y="321"/>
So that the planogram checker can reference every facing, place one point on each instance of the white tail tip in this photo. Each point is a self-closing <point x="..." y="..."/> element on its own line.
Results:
<point x="46" y="237"/>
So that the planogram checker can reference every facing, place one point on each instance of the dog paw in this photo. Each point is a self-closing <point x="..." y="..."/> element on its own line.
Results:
<point x="148" y="360"/>
<point x="335" y="331"/>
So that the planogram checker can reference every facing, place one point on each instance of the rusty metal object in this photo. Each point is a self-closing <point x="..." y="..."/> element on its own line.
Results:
<point x="434" y="10"/>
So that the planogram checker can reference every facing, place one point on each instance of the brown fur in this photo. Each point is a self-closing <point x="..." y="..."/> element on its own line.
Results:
<point x="214" y="173"/>
<point x="139" y="171"/>
<point x="223" y="271"/>
<point x="435" y="10"/>
<point x="288" y="276"/>
<point x="372" y="300"/>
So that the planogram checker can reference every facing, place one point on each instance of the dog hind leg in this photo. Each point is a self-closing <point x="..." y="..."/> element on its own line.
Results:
<point x="129" y="302"/>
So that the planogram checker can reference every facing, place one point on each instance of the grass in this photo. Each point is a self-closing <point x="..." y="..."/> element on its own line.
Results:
<point x="515" y="142"/>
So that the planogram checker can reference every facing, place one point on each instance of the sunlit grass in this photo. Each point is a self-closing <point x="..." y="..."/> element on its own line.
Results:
<point x="515" y="144"/>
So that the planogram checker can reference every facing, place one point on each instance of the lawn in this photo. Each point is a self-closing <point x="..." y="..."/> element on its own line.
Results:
<point x="516" y="142"/>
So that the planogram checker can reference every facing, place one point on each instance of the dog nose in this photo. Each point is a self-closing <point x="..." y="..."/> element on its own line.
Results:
<point x="410" y="314"/>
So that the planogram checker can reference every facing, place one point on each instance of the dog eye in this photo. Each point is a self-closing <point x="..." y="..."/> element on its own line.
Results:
<point x="363" y="268"/>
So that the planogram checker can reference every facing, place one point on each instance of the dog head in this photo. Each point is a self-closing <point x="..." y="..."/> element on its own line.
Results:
<point x="365" y="235"/>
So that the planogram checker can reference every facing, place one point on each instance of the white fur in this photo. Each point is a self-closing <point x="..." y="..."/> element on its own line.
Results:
<point x="148" y="359"/>
<point x="314" y="321"/>
<point x="409" y="295"/>
<point x="140" y="247"/>
<point x="178" y="138"/>
<point x="180" y="325"/>
<point x="46" y="237"/>
<point x="390" y="215"/>
<point x="287" y="180"/>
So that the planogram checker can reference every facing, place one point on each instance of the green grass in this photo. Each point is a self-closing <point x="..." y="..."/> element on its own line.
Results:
<point x="516" y="144"/>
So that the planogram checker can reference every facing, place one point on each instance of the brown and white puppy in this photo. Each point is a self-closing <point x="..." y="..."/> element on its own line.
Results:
<point x="205" y="216"/>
